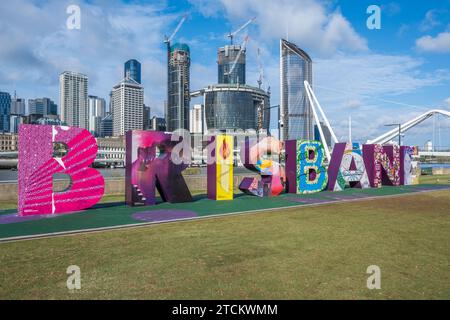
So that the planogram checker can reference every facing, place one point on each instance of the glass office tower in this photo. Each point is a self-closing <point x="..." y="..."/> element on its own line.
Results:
<point x="236" y="107"/>
<point x="5" y="111"/>
<point x="296" y="118"/>
<point x="133" y="67"/>
<point x="178" y="95"/>
<point x="226" y="56"/>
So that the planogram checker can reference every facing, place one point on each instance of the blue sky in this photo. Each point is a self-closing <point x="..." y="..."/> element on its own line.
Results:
<point x="355" y="72"/>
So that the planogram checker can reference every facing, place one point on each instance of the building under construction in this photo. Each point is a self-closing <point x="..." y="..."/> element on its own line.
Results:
<point x="226" y="57"/>
<point x="178" y="78"/>
<point x="232" y="104"/>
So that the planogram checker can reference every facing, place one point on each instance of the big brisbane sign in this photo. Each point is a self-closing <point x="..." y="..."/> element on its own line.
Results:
<point x="155" y="161"/>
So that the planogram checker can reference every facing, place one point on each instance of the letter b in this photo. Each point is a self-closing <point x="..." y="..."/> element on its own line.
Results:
<point x="37" y="165"/>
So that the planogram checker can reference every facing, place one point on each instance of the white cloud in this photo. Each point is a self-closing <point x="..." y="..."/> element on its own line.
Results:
<point x="447" y="101"/>
<point x="369" y="82"/>
<point x="353" y="103"/>
<point x="438" y="44"/>
<point x="311" y="24"/>
<point x="40" y="46"/>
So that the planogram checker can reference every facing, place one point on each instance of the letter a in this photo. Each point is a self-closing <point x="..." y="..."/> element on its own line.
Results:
<point x="74" y="20"/>
<point x="374" y="280"/>
<point x="374" y="20"/>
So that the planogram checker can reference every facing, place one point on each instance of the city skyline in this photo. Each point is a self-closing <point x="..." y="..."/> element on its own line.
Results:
<point x="355" y="72"/>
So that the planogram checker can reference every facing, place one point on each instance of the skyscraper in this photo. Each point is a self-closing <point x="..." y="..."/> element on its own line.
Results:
<point x="146" y="118"/>
<point x="178" y="98"/>
<point x="296" y="119"/>
<point x="17" y="106"/>
<point x="106" y="126"/>
<point x="42" y="106"/>
<point x="196" y="116"/>
<point x="133" y="68"/>
<point x="14" y="122"/>
<point x="158" y="124"/>
<point x="5" y="111"/>
<point x="232" y="104"/>
<point x="127" y="106"/>
<point x="73" y="99"/>
<point x="326" y="132"/>
<point x="226" y="56"/>
<point x="97" y="111"/>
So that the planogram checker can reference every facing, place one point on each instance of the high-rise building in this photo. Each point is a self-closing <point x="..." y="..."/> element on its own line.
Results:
<point x="326" y="132"/>
<point x="52" y="108"/>
<point x="133" y="69"/>
<point x="106" y="126"/>
<point x="17" y="106"/>
<point x="178" y="98"/>
<point x="14" y="122"/>
<point x="234" y="106"/>
<point x="231" y="104"/>
<point x="196" y="116"/>
<point x="97" y="111"/>
<point x="146" y="118"/>
<point x="296" y="118"/>
<point x="36" y="106"/>
<point x="42" y="106"/>
<point x="73" y="99"/>
<point x="5" y="111"/>
<point x="127" y="106"/>
<point x="226" y="56"/>
<point x="158" y="124"/>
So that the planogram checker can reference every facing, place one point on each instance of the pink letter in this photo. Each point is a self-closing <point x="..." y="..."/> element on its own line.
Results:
<point x="37" y="167"/>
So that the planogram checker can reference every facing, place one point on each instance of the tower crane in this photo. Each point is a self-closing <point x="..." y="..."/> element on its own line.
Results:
<point x="260" y="68"/>
<point x="168" y="39"/>
<point x="244" y="44"/>
<point x="232" y="34"/>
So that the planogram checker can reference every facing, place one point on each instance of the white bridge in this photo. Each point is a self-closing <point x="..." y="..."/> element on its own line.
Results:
<point x="388" y="136"/>
<point x="384" y="138"/>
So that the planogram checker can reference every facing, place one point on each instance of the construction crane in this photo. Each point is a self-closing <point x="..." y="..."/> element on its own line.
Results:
<point x="260" y="68"/>
<point x="232" y="34"/>
<point x="168" y="39"/>
<point x="244" y="44"/>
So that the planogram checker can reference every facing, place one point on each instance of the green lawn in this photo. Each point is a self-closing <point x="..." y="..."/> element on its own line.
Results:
<point x="300" y="253"/>
<point x="436" y="179"/>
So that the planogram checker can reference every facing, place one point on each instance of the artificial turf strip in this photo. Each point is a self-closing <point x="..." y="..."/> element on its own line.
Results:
<point x="316" y="253"/>
<point x="117" y="214"/>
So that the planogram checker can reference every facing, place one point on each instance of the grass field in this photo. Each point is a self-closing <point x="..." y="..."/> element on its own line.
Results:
<point x="300" y="253"/>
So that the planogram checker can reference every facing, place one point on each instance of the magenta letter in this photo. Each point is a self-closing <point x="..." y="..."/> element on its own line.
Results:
<point x="37" y="167"/>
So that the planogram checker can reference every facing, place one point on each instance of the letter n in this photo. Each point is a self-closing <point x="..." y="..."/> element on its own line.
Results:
<point x="382" y="164"/>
